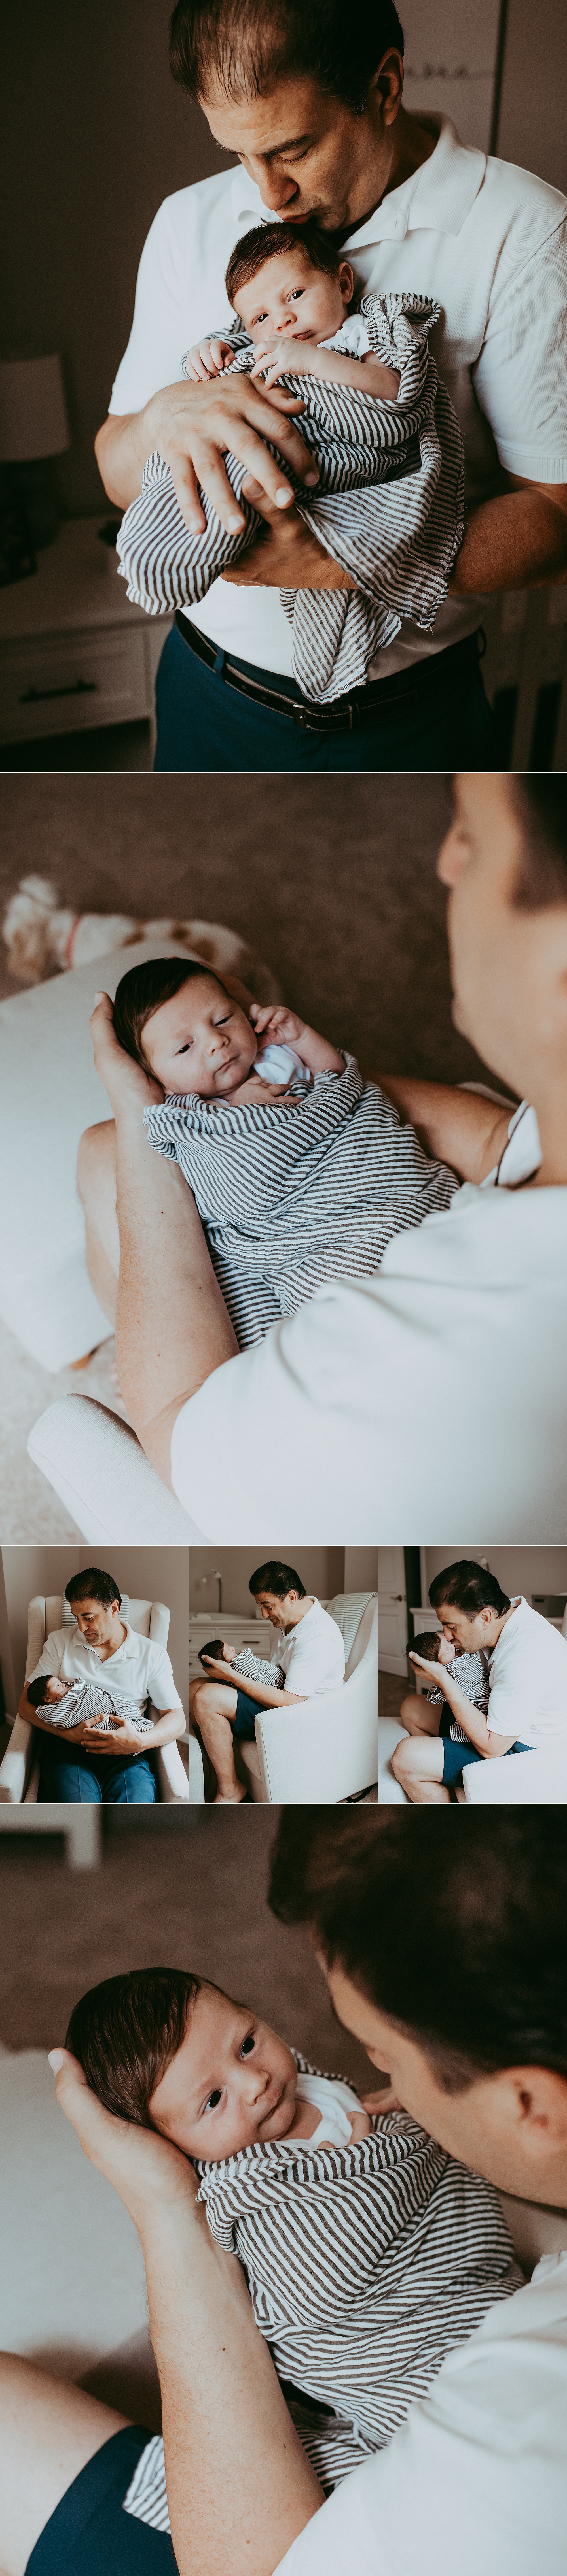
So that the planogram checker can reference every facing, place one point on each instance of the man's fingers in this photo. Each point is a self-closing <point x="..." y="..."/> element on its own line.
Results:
<point x="185" y="485"/>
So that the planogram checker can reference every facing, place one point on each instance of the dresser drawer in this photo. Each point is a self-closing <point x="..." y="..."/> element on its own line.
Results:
<point x="68" y="682"/>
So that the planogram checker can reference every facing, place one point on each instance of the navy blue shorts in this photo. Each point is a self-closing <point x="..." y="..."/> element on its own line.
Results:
<point x="457" y="1756"/>
<point x="243" y="1723"/>
<point x="89" y="2534"/>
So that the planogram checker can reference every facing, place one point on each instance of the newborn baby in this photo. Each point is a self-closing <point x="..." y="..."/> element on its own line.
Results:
<point x="386" y="458"/>
<point x="468" y="1670"/>
<point x="294" y="1186"/>
<point x="369" y="2253"/>
<point x="83" y="1702"/>
<point x="256" y="1667"/>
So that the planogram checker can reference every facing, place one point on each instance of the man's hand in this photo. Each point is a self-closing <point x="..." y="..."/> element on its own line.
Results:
<point x="222" y="1672"/>
<point x="386" y="2100"/>
<point x="113" y="1738"/>
<point x="141" y="2166"/>
<point x="192" y="425"/>
<point x="128" y="1087"/>
<point x="285" y="556"/>
<point x="434" y="1671"/>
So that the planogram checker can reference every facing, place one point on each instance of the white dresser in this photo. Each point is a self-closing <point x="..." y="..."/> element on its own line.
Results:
<point x="73" y="652"/>
<point x="238" y="1628"/>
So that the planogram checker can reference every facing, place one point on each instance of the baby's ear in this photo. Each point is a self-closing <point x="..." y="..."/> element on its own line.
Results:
<point x="238" y="991"/>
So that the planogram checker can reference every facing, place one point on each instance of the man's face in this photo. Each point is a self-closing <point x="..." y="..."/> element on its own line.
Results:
<point x="281" y="1614"/>
<point x="468" y="1634"/>
<point x="96" y="1620"/>
<point x="508" y="965"/>
<point x="488" y="2126"/>
<point x="309" y="154"/>
<point x="231" y="2085"/>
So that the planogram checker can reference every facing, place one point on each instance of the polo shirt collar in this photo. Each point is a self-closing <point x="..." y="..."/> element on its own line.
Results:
<point x="437" y="198"/>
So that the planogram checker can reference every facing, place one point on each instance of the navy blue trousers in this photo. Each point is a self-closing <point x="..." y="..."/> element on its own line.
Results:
<point x="77" y="1778"/>
<point x="89" y="2535"/>
<point x="444" y="722"/>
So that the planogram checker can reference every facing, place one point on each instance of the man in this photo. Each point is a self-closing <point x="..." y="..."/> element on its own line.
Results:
<point x="527" y="1671"/>
<point x="451" y="1969"/>
<point x="310" y="102"/>
<point x="470" y="1306"/>
<point x="82" y="1765"/>
<point x="306" y="1643"/>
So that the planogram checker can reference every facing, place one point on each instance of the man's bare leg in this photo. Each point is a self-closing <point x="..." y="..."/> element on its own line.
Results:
<point x="417" y="1716"/>
<point x="418" y="1766"/>
<point x="213" y="1706"/>
<point x="96" y="1184"/>
<point x="48" y="2431"/>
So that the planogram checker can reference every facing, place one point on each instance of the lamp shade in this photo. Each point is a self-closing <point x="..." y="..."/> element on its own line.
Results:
<point x="33" y="412"/>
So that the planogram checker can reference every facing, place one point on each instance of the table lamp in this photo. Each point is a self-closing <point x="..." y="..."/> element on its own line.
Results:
<point x="33" y="428"/>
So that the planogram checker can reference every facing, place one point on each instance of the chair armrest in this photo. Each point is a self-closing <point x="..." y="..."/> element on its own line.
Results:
<point x="517" y="1780"/>
<point x="171" y="1774"/>
<point x="324" y="1749"/>
<point x="17" y="1764"/>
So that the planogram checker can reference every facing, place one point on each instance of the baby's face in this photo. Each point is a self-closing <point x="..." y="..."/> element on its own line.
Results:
<point x="289" y="295"/>
<point x="201" y="1041"/>
<point x="56" y="1689"/>
<point x="232" y="2084"/>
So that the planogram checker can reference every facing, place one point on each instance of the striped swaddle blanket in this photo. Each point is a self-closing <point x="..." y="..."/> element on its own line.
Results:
<point x="85" y="1700"/>
<point x="389" y="509"/>
<point x="471" y="1673"/>
<point x="366" y="2266"/>
<point x="294" y="1194"/>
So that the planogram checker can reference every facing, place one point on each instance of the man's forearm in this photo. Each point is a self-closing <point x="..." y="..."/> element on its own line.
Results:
<point x="455" y="1126"/>
<point x="517" y="541"/>
<point x="169" y="1726"/>
<point x="485" y="1741"/>
<point x="121" y="449"/>
<point x="238" y="2482"/>
<point x="268" y="1698"/>
<point x="172" y="1328"/>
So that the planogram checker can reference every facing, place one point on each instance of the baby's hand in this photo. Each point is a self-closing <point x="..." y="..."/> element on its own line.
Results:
<point x="293" y="358"/>
<point x="209" y="358"/>
<point x="276" y="1022"/>
<point x="386" y="2100"/>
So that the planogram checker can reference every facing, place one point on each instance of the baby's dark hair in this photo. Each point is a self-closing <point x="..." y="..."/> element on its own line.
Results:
<point x="143" y="990"/>
<point x="428" y="1645"/>
<point x="265" y="241"/>
<point x="216" y="1648"/>
<point x="126" y="2033"/>
<point x="37" y="1690"/>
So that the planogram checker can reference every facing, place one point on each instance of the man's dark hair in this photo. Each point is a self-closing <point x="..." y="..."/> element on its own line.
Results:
<point x="143" y="990"/>
<point x="427" y="1645"/>
<point x="277" y="1578"/>
<point x="216" y="1647"/>
<point x="469" y="1587"/>
<point x="126" y="2032"/>
<point x="266" y="241"/>
<point x="459" y="1940"/>
<point x="244" y="47"/>
<point x="541" y="806"/>
<point x="93" y="1585"/>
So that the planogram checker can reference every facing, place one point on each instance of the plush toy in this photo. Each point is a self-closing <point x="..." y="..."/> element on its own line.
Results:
<point x="43" y="938"/>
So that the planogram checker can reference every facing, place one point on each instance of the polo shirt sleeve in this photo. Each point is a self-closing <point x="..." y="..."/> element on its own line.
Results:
<point x="520" y="378"/>
<point x="162" y="324"/>
<point x="161" y="1684"/>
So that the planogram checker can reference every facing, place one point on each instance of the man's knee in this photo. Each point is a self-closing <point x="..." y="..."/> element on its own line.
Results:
<point x="96" y="1162"/>
<point x="401" y="1761"/>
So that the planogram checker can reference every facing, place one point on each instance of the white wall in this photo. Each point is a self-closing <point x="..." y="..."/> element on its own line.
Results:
<point x="517" y="1569"/>
<point x="146" y="1573"/>
<point x="321" y="1569"/>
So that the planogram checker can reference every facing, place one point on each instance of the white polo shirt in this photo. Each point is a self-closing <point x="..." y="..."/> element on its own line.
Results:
<point x="528" y="1679"/>
<point x="477" y="2475"/>
<point x="312" y="1655"/>
<point x="486" y="240"/>
<point x="465" y="1323"/>
<point x="140" y="1667"/>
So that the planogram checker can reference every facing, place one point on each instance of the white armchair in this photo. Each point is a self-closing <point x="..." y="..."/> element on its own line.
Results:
<point x="524" y="1780"/>
<point x="326" y="1748"/>
<point x="19" y="1771"/>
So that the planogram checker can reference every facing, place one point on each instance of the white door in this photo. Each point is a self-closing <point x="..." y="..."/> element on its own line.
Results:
<point x="392" y="1611"/>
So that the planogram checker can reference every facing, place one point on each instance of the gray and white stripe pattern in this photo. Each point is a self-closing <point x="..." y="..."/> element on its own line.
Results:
<point x="292" y="1195"/>
<point x="366" y="2267"/>
<point x="389" y="509"/>
<point x="471" y="1673"/>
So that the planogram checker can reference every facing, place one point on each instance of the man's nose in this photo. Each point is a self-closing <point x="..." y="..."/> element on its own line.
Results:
<point x="275" y="190"/>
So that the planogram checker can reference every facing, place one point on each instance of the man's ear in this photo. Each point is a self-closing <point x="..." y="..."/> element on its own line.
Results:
<point x="540" y="2110"/>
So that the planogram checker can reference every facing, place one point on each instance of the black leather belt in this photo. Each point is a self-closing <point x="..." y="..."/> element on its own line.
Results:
<point x="346" y="715"/>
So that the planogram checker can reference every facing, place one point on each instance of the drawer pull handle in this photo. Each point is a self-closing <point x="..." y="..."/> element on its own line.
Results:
<point x="76" y="689"/>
